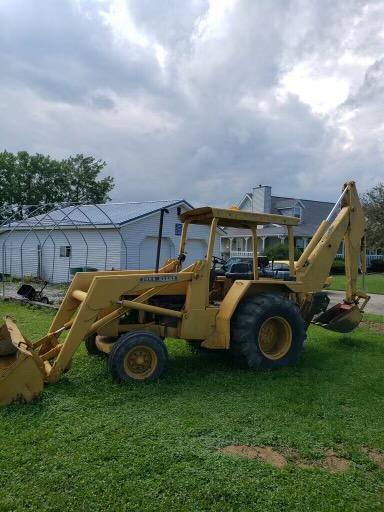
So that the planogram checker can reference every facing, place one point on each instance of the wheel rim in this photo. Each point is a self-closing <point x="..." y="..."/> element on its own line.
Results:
<point x="140" y="362"/>
<point x="275" y="337"/>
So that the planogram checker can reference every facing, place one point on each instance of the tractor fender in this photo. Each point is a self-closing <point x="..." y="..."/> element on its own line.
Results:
<point x="221" y="338"/>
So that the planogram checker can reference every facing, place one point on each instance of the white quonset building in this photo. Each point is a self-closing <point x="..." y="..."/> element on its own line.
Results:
<point x="103" y="237"/>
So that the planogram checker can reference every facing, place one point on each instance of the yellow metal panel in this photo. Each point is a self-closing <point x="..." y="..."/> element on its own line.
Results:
<point x="291" y="248"/>
<point x="236" y="218"/>
<point x="198" y="324"/>
<point x="255" y="255"/>
<point x="21" y="380"/>
<point x="227" y="307"/>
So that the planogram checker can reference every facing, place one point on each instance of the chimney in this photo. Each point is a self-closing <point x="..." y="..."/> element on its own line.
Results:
<point x="261" y="199"/>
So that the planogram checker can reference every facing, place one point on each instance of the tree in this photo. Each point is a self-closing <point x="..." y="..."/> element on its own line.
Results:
<point x="39" y="179"/>
<point x="82" y="173"/>
<point x="373" y="204"/>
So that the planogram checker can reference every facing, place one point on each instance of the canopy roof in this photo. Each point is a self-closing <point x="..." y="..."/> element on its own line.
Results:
<point x="236" y="218"/>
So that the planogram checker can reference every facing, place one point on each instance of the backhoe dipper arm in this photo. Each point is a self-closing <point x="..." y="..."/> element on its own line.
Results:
<point x="349" y="225"/>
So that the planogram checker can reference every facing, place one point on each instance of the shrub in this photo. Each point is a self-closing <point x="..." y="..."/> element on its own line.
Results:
<point x="338" y="266"/>
<point x="377" y="265"/>
<point x="280" y="252"/>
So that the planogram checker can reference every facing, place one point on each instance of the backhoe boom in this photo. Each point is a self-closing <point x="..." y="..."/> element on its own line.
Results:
<point x="348" y="227"/>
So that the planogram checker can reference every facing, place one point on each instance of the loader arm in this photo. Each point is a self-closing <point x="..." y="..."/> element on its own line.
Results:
<point x="349" y="226"/>
<point x="93" y="300"/>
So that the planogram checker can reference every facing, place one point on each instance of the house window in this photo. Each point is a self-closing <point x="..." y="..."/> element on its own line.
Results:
<point x="297" y="212"/>
<point x="65" y="251"/>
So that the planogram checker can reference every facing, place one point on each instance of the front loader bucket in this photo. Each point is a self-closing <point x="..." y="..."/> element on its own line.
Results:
<point x="21" y="375"/>
<point x="340" y="318"/>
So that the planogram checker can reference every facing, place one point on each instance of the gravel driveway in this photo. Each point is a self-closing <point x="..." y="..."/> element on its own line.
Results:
<point x="55" y="293"/>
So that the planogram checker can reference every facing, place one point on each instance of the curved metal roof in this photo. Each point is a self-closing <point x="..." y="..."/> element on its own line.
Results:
<point x="92" y="215"/>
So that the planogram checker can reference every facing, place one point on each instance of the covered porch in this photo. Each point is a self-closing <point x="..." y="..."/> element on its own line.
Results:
<point x="241" y="245"/>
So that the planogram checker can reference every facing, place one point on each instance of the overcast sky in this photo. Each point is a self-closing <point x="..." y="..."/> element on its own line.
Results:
<point x="199" y="99"/>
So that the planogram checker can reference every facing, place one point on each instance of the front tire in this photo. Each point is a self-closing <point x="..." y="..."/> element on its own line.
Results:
<point x="267" y="332"/>
<point x="90" y="345"/>
<point x="138" y="356"/>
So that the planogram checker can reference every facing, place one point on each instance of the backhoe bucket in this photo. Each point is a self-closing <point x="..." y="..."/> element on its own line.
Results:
<point x="21" y="374"/>
<point x="340" y="318"/>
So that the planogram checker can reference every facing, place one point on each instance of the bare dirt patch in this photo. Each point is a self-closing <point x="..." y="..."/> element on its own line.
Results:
<point x="331" y="460"/>
<point x="373" y="326"/>
<point x="375" y="456"/>
<point x="335" y="463"/>
<point x="265" y="453"/>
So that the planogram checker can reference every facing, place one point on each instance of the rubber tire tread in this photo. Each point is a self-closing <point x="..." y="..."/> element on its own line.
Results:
<point x="90" y="345"/>
<point x="128" y="341"/>
<point x="246" y="323"/>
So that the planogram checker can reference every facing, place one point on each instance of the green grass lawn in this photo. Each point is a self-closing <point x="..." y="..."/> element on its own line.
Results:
<point x="374" y="283"/>
<point x="90" y="444"/>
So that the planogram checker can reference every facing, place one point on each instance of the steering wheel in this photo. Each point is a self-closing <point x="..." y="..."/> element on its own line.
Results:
<point x="216" y="260"/>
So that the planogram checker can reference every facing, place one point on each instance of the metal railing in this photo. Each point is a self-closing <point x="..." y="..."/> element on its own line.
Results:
<point x="241" y="254"/>
<point x="249" y="254"/>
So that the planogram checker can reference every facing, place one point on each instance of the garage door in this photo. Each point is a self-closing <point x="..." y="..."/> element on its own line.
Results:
<point x="148" y="249"/>
<point x="195" y="249"/>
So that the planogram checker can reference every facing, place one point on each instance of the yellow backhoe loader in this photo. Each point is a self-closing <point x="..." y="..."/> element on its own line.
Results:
<point x="127" y="314"/>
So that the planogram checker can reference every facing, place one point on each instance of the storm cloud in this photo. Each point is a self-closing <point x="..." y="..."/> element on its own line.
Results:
<point x="199" y="99"/>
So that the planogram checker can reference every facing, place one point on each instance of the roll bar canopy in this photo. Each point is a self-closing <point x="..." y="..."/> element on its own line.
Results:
<point x="235" y="218"/>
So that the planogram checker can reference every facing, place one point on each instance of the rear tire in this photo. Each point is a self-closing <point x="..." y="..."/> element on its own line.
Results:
<point x="267" y="332"/>
<point x="138" y="356"/>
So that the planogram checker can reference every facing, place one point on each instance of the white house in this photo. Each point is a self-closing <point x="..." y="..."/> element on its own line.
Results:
<point x="238" y="243"/>
<point x="103" y="237"/>
<point x="260" y="199"/>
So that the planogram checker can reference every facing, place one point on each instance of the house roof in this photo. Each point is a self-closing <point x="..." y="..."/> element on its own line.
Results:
<point x="280" y="203"/>
<point x="100" y="215"/>
<point x="314" y="213"/>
